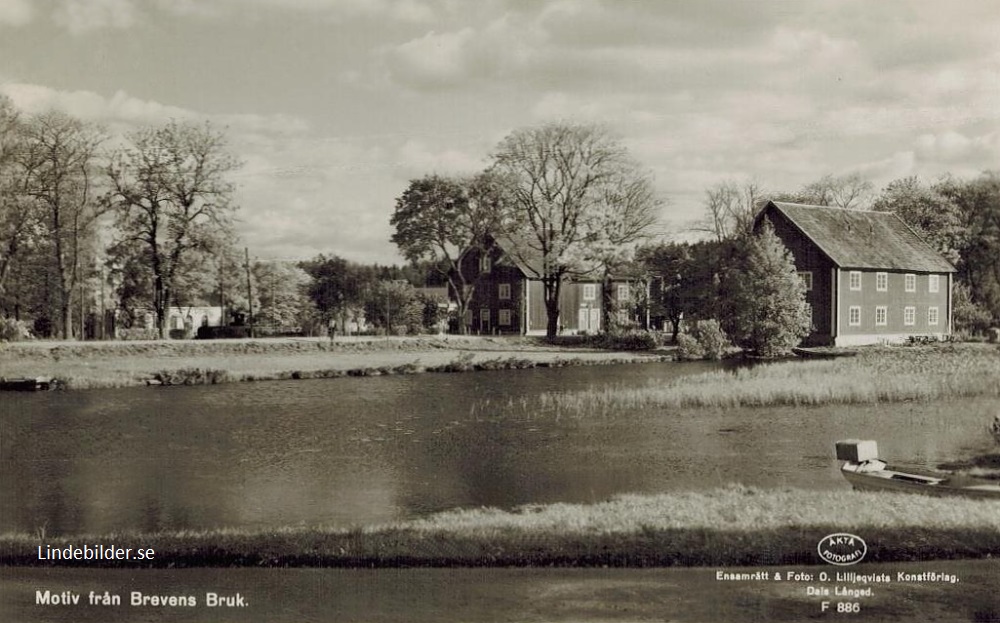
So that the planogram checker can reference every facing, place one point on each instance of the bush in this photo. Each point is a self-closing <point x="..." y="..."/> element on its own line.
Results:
<point x="13" y="330"/>
<point x="688" y="347"/>
<point x="219" y="333"/>
<point x="133" y="334"/>
<point x="712" y="338"/>
<point x="704" y="340"/>
<point x="632" y="340"/>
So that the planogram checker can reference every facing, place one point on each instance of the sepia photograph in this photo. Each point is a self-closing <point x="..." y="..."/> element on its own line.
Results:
<point x="429" y="311"/>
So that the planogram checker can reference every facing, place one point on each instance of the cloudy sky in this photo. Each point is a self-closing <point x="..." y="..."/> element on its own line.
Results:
<point x="334" y="105"/>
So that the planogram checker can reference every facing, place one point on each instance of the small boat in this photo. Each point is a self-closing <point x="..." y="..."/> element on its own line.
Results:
<point x="866" y="472"/>
<point x="35" y="384"/>
<point x="823" y="352"/>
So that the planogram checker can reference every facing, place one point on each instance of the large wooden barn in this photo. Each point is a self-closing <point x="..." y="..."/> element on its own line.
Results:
<point x="869" y="277"/>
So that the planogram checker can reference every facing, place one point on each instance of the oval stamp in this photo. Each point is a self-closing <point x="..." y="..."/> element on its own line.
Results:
<point x="842" y="548"/>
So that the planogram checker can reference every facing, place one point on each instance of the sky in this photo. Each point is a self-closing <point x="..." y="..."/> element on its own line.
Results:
<point x="334" y="105"/>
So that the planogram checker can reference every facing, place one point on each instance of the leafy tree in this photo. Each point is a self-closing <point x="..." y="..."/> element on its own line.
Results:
<point x="338" y="288"/>
<point x="440" y="221"/>
<point x="394" y="306"/>
<point x="171" y="194"/>
<point x="280" y="293"/>
<point x="764" y="309"/>
<point x="572" y="190"/>
<point x="977" y="205"/>
<point x="931" y="215"/>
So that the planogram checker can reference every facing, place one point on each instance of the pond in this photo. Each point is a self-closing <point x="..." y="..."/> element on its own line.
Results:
<point x="349" y="451"/>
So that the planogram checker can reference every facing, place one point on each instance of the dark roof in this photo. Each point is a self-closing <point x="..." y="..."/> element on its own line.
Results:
<point x="863" y="238"/>
<point x="530" y="261"/>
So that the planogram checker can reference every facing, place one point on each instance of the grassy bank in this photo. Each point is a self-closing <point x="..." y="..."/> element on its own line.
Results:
<point x="876" y="375"/>
<point x="731" y="526"/>
<point x="121" y="364"/>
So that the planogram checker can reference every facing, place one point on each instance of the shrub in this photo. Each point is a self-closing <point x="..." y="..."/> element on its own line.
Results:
<point x="712" y="339"/>
<point x="133" y="334"/>
<point x="688" y="347"/>
<point x="12" y="330"/>
<point x="704" y="339"/>
<point x="632" y="340"/>
<point x="218" y="333"/>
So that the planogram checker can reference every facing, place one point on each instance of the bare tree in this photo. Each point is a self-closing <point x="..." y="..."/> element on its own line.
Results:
<point x="573" y="189"/>
<point x="171" y="194"/>
<point x="60" y="162"/>
<point x="730" y="209"/>
<point x="15" y="209"/>
<point x="851" y="191"/>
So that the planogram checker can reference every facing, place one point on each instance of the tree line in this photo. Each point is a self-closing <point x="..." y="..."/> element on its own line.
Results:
<point x="140" y="224"/>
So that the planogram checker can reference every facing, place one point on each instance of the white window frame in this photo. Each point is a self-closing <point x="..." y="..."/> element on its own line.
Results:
<point x="623" y="291"/>
<point x="933" y="283"/>
<point x="910" y="282"/>
<point x="909" y="315"/>
<point x="503" y="291"/>
<point x="855" y="275"/>
<point x="503" y="317"/>
<point x="590" y="291"/>
<point x="854" y="316"/>
<point x="807" y="278"/>
<point x="881" y="315"/>
<point x="933" y="316"/>
<point x="485" y="264"/>
<point x="881" y="282"/>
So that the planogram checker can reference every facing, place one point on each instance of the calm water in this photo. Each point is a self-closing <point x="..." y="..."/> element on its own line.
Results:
<point x="348" y="451"/>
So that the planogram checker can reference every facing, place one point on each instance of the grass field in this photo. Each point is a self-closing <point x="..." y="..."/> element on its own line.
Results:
<point x="90" y="365"/>
<point x="730" y="526"/>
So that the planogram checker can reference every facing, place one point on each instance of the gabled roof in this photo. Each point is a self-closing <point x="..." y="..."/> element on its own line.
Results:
<point x="531" y="265"/>
<point x="863" y="238"/>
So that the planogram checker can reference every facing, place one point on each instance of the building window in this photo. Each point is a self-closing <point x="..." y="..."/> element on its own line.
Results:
<point x="933" y="283"/>
<point x="590" y="292"/>
<point x="503" y="317"/>
<point x="909" y="316"/>
<point x="881" y="282"/>
<point x="854" y="316"/>
<point x="855" y="279"/>
<point x="932" y="316"/>
<point x="485" y="265"/>
<point x="881" y="316"/>
<point x="910" y="282"/>
<point x="807" y="279"/>
<point x="504" y="291"/>
<point x="623" y="292"/>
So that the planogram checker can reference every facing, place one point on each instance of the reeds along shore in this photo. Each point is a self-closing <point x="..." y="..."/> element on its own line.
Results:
<point x="887" y="374"/>
<point x="731" y="526"/>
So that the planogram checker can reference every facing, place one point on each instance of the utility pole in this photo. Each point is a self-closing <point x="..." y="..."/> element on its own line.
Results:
<point x="246" y="254"/>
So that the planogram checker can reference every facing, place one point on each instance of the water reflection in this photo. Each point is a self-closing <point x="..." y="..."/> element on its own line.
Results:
<point x="348" y="451"/>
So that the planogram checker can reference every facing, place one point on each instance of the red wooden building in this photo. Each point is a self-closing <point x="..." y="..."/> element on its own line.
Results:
<point x="509" y="298"/>
<point x="869" y="277"/>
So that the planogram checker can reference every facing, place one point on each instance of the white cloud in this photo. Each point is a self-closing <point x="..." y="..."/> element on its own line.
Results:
<point x="125" y="110"/>
<point x="84" y="16"/>
<point x="15" y="12"/>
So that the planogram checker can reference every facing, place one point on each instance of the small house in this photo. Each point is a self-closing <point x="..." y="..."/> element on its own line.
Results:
<point x="509" y="297"/>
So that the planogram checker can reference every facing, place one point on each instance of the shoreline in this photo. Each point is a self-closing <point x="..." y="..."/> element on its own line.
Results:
<point x="101" y="365"/>
<point x="733" y="526"/>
